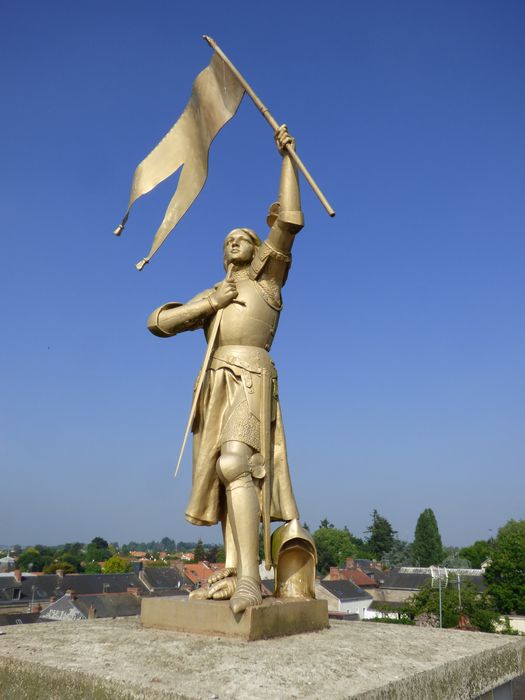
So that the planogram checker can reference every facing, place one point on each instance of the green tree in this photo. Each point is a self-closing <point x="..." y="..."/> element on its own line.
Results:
<point x="158" y="564"/>
<point x="198" y="552"/>
<point x="168" y="544"/>
<point x="400" y="554"/>
<point x="453" y="559"/>
<point x="32" y="559"/>
<point x="381" y="535"/>
<point x="506" y="573"/>
<point x="92" y="568"/>
<point x="477" y="553"/>
<point x="117" y="565"/>
<point x="427" y="549"/>
<point x="325" y="523"/>
<point x="65" y="566"/>
<point x="478" y="607"/>
<point x="333" y="546"/>
<point x="97" y="550"/>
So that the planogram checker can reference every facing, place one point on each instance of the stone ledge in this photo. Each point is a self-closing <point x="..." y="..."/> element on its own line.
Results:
<point x="121" y="660"/>
<point x="274" y="618"/>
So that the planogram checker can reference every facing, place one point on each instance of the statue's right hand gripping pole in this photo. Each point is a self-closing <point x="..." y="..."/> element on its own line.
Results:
<point x="272" y="122"/>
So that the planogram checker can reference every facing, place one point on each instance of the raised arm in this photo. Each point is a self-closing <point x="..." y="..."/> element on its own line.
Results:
<point x="290" y="219"/>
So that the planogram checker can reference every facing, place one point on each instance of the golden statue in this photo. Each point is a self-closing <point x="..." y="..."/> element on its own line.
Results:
<point x="240" y="466"/>
<point x="239" y="442"/>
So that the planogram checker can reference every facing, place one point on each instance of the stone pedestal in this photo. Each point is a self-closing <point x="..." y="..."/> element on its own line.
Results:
<point x="274" y="618"/>
<point x="122" y="660"/>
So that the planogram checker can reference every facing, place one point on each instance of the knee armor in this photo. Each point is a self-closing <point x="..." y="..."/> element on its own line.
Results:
<point x="232" y="467"/>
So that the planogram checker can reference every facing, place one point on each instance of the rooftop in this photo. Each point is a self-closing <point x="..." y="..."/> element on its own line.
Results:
<point x="120" y="659"/>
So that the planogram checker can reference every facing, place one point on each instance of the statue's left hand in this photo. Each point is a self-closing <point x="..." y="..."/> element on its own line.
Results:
<point x="283" y="139"/>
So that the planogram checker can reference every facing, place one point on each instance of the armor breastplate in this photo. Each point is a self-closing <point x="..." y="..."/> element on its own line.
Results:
<point x="249" y="320"/>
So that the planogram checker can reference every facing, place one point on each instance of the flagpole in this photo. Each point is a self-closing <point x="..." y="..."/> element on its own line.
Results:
<point x="272" y="122"/>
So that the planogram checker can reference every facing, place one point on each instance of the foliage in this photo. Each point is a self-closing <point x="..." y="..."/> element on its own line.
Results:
<point x="158" y="563"/>
<point x="381" y="535"/>
<point x="506" y="573"/>
<point x="198" y="552"/>
<point x="403" y="620"/>
<point x="211" y="553"/>
<point x="477" y="553"/>
<point x="427" y="549"/>
<point x="92" y="568"/>
<point x="168" y="545"/>
<point x="507" y="628"/>
<point x="400" y="554"/>
<point x="33" y="559"/>
<point x="453" y="559"/>
<point x="325" y="523"/>
<point x="97" y="550"/>
<point x="334" y="546"/>
<point x="65" y="566"/>
<point x="478" y="607"/>
<point x="117" y="565"/>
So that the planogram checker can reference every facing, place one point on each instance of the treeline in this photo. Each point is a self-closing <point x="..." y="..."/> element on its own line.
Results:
<point x="381" y="544"/>
<point x="99" y="555"/>
<point x="503" y="556"/>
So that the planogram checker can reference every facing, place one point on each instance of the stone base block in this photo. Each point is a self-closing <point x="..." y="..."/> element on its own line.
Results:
<point x="274" y="618"/>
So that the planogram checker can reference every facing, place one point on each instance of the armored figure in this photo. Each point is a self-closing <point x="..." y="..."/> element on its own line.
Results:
<point x="238" y="438"/>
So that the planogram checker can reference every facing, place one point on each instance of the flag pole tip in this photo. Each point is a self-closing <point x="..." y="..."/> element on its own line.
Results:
<point x="207" y="39"/>
<point x="119" y="230"/>
<point x="141" y="264"/>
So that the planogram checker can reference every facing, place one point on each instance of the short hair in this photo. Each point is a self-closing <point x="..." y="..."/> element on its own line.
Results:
<point x="254" y="238"/>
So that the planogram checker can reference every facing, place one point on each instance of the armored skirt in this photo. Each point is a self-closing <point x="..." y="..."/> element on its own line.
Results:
<point x="229" y="408"/>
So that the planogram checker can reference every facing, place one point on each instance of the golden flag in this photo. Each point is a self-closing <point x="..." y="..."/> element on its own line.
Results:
<point x="215" y="98"/>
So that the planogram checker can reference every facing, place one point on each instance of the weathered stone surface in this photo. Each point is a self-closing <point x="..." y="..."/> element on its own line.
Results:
<point x="119" y="659"/>
<point x="274" y="618"/>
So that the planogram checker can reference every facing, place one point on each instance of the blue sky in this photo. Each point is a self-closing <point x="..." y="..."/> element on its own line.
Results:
<point x="401" y="349"/>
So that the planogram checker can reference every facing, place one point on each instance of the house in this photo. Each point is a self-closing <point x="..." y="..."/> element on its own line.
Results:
<point x="21" y="592"/>
<point x="399" y="584"/>
<point x="343" y="597"/>
<point x="164" y="580"/>
<point x="7" y="563"/>
<point x="198" y="573"/>
<point x="84" y="607"/>
<point x="355" y="575"/>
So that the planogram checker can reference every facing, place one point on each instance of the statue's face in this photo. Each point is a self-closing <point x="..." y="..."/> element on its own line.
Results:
<point x="238" y="248"/>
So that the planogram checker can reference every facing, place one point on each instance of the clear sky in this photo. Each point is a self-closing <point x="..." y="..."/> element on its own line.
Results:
<point x="401" y="349"/>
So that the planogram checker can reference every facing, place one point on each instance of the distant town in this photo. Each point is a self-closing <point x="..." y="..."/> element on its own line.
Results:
<point x="378" y="578"/>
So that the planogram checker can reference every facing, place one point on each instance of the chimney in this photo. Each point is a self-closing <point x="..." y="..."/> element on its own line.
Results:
<point x="18" y="575"/>
<point x="60" y="573"/>
<point x="334" y="573"/>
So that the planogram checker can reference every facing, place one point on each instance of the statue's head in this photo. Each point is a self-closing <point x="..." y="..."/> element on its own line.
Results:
<point x="240" y="246"/>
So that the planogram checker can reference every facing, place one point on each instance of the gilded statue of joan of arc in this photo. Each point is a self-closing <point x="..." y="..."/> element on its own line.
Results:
<point x="238" y="435"/>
